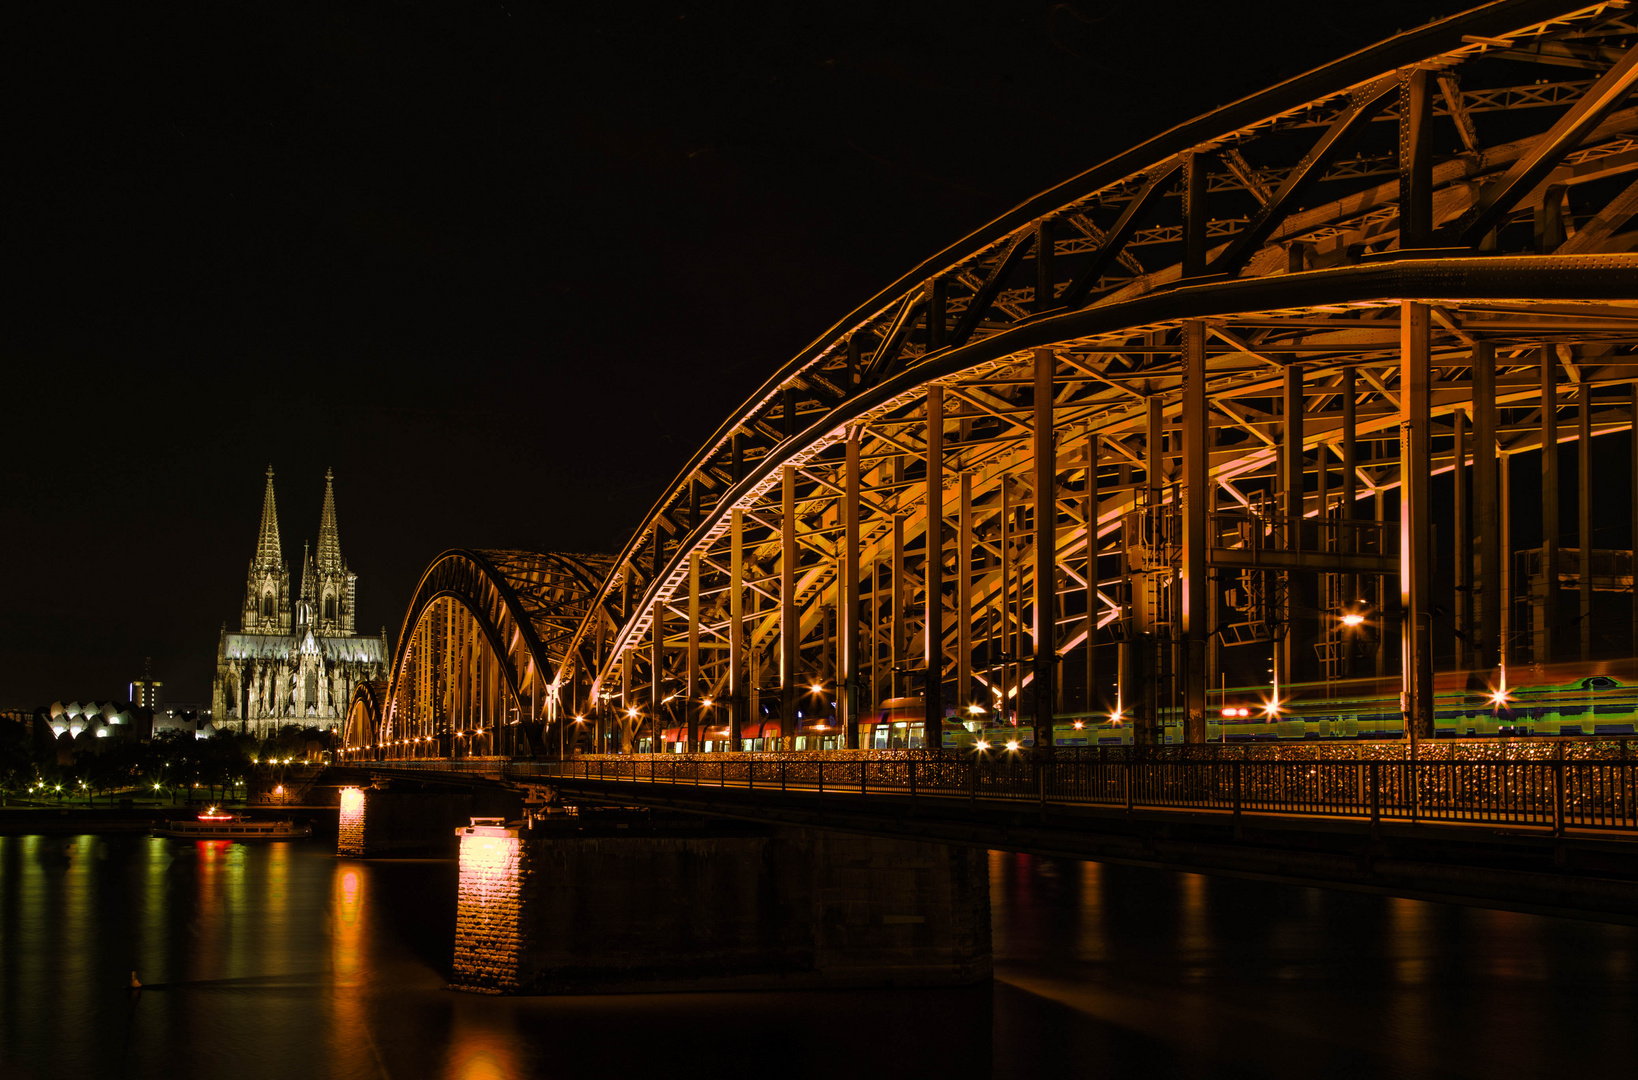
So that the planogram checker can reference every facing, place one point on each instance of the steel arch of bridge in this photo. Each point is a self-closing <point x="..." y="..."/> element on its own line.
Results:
<point x="1243" y="337"/>
<point x="363" y="725"/>
<point x="479" y="657"/>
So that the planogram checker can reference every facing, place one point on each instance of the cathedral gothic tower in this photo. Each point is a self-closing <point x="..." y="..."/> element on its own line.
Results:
<point x="296" y="660"/>
<point x="267" y="592"/>
<point x="327" y="586"/>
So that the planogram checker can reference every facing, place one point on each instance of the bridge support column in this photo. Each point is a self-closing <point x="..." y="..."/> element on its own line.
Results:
<point x="691" y="693"/>
<point x="1546" y="611"/>
<point x="1461" y="546"/>
<point x="736" y="629"/>
<point x="1197" y="597"/>
<point x="1486" y="517"/>
<point x="1583" y="515"/>
<point x="897" y="651"/>
<point x="1415" y="521"/>
<point x="1293" y="411"/>
<point x="848" y="696"/>
<point x="1348" y="541"/>
<point x="789" y="627"/>
<point x="1151" y="661"/>
<point x="656" y="671"/>
<point x="706" y="909"/>
<point x="933" y="574"/>
<point x="1089" y="510"/>
<point x="1046" y="552"/>
<point x="964" y="599"/>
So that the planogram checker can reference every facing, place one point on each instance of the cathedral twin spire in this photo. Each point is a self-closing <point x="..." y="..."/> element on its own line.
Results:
<point x="268" y="555"/>
<point x="327" y="586"/>
<point x="329" y="540"/>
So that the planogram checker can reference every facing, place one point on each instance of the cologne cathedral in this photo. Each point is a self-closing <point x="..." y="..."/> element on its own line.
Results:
<point x="295" y="659"/>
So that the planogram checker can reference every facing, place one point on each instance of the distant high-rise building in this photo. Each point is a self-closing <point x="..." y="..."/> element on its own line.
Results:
<point x="295" y="658"/>
<point x="147" y="692"/>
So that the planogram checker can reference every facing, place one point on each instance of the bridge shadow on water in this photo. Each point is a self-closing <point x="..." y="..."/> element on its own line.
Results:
<point x="283" y="961"/>
<point x="1162" y="974"/>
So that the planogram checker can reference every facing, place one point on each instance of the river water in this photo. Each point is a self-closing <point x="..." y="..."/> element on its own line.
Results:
<point x="281" y="961"/>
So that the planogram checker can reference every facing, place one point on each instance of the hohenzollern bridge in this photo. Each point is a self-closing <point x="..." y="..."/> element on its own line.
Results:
<point x="1304" y="427"/>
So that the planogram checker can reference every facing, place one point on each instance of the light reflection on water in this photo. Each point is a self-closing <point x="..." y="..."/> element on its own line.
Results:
<point x="281" y="961"/>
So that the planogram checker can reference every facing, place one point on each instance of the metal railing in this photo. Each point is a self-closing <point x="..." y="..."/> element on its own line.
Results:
<point x="1544" y="792"/>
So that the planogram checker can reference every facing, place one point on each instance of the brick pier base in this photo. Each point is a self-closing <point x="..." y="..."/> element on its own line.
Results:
<point x="574" y="914"/>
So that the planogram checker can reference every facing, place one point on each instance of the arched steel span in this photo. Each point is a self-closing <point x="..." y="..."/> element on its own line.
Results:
<point x="363" y="725"/>
<point x="1264" y="243"/>
<point x="479" y="657"/>
<point x="1240" y="335"/>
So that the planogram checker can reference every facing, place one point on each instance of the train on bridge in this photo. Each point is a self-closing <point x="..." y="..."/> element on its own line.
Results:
<point x="1564" y="699"/>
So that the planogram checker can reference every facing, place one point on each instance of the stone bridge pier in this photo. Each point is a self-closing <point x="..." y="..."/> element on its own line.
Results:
<point x="391" y="816"/>
<point x="621" y="901"/>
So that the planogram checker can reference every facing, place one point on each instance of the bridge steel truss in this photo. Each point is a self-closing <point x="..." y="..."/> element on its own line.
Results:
<point x="1192" y="397"/>
<point x="476" y="667"/>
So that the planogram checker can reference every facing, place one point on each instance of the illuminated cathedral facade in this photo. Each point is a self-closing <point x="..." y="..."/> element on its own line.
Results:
<point x="295" y="658"/>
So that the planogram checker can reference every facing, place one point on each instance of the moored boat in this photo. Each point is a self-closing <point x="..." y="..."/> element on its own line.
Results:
<point x="216" y="824"/>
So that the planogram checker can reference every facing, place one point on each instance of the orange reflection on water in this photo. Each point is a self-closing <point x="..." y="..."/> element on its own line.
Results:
<point x="348" y="930"/>
<point x="211" y="926"/>
<point x="1092" y="940"/>
<point x="1194" y="937"/>
<point x="482" y="1047"/>
<point x="351" y="1041"/>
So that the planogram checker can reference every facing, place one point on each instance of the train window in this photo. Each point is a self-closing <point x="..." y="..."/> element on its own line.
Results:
<point x="1599" y="682"/>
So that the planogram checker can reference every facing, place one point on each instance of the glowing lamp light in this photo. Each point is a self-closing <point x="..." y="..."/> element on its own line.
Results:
<point x="1012" y="744"/>
<point x="982" y="744"/>
<point x="632" y="712"/>
<point x="1353" y="618"/>
<point x="580" y="719"/>
<point x="705" y="703"/>
<point x="817" y="688"/>
<point x="1080" y="725"/>
<point x="976" y="709"/>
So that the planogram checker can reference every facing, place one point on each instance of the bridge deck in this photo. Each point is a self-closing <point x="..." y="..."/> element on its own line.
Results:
<point x="1547" y="835"/>
<point x="1549" y="794"/>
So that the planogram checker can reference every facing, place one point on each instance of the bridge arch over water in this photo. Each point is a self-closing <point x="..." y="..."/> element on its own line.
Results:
<point x="479" y="658"/>
<point x="1173" y="419"/>
<point x="362" y="728"/>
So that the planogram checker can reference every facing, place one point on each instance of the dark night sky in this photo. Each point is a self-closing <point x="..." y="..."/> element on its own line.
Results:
<point x="502" y="267"/>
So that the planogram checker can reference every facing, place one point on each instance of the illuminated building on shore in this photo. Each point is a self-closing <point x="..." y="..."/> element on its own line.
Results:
<point x="295" y="659"/>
